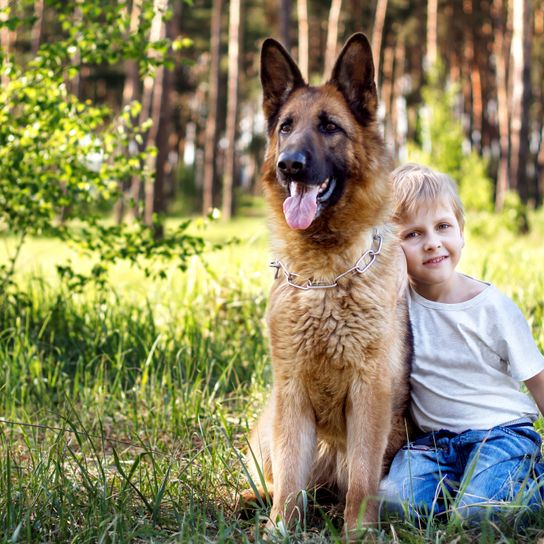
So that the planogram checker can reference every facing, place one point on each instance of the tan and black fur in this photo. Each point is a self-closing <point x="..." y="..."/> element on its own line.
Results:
<point x="339" y="355"/>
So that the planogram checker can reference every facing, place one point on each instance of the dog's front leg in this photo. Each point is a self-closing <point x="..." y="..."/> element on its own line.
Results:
<point x="293" y="450"/>
<point x="368" y="415"/>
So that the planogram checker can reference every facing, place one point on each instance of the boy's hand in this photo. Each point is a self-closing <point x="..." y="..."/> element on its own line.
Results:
<point x="535" y="385"/>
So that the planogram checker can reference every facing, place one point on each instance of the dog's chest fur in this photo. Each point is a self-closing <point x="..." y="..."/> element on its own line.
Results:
<point x="327" y="340"/>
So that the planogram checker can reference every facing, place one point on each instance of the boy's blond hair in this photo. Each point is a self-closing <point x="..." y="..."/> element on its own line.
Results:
<point x="414" y="184"/>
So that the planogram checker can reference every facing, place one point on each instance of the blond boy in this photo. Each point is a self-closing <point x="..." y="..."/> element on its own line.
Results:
<point x="472" y="348"/>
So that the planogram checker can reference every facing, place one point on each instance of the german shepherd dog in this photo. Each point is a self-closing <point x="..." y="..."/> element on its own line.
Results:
<point x="339" y="334"/>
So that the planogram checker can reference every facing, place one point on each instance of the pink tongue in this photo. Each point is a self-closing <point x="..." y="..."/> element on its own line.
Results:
<point x="299" y="209"/>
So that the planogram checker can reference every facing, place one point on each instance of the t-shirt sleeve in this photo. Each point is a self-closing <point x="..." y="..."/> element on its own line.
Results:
<point x="515" y="341"/>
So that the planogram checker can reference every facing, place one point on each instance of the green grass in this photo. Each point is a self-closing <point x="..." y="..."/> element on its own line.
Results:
<point x="134" y="404"/>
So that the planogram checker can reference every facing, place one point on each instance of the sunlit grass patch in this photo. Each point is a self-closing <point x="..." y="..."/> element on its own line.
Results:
<point x="130" y="407"/>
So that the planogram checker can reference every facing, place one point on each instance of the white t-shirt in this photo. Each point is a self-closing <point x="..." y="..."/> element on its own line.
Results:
<point x="468" y="361"/>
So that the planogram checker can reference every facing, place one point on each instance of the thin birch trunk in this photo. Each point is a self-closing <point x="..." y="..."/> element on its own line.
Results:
<point x="476" y="113"/>
<point x="155" y="105"/>
<point x="210" y="145"/>
<point x="131" y="92"/>
<point x="468" y="63"/>
<point x="303" y="38"/>
<point x="521" y="60"/>
<point x="156" y="32"/>
<point x="539" y="168"/>
<point x="502" y="54"/>
<point x="388" y="76"/>
<point x="377" y="34"/>
<point x="285" y="23"/>
<point x="432" y="23"/>
<point x="75" y="82"/>
<point x="399" y="118"/>
<point x="5" y="40"/>
<point x="155" y="193"/>
<point x="36" y="36"/>
<point x="332" y="36"/>
<point x="232" y="106"/>
<point x="477" y="105"/>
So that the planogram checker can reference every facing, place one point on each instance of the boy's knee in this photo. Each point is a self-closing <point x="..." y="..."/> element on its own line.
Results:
<point x="395" y="488"/>
<point x="473" y="507"/>
<point x="392" y="502"/>
<point x="408" y="497"/>
<point x="484" y="497"/>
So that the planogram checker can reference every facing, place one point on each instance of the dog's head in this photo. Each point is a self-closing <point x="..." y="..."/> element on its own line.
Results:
<point x="323" y="141"/>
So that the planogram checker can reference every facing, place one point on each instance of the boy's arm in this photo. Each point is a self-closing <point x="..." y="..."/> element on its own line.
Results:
<point x="535" y="385"/>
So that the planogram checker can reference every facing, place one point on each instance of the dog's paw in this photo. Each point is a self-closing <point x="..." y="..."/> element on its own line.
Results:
<point x="248" y="501"/>
<point x="273" y="530"/>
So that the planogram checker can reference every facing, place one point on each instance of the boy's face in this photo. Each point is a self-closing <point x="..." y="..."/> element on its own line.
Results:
<point x="432" y="240"/>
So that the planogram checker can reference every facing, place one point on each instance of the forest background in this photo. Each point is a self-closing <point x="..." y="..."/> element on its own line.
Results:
<point x="458" y="79"/>
<point x="133" y="353"/>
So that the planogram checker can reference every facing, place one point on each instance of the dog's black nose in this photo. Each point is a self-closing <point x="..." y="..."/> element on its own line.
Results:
<point x="292" y="162"/>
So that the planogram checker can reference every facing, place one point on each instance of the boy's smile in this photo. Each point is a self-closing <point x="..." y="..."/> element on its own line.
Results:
<point x="432" y="240"/>
<point x="435" y="260"/>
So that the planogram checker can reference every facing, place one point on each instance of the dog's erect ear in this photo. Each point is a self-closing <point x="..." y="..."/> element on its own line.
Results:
<point x="353" y="74"/>
<point x="280" y="76"/>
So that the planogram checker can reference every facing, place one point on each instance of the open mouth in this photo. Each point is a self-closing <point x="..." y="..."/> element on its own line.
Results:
<point x="326" y="189"/>
<point x="305" y="202"/>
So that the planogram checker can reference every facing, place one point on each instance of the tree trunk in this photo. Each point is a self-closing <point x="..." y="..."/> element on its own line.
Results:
<point x="36" y="37"/>
<point x="399" y="117"/>
<point x="75" y="83"/>
<point x="356" y="10"/>
<point x="377" y="33"/>
<point x="387" y="85"/>
<point x="131" y="88"/>
<point x="210" y="144"/>
<point x="432" y="32"/>
<point x="472" y="86"/>
<point x="159" y="136"/>
<point x="150" y="84"/>
<point x="303" y="37"/>
<point x="285" y="23"/>
<point x="7" y="39"/>
<point x="477" y="105"/>
<point x="131" y="92"/>
<point x="332" y="37"/>
<point x="501" y="48"/>
<point x="232" y="106"/>
<point x="487" y="77"/>
<point x="156" y="105"/>
<point x="157" y="32"/>
<point x="468" y="63"/>
<point x="539" y="170"/>
<point x="539" y="158"/>
<point x="521" y="68"/>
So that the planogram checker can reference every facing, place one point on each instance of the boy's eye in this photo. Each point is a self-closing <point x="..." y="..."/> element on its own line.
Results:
<point x="409" y="235"/>
<point x="444" y="226"/>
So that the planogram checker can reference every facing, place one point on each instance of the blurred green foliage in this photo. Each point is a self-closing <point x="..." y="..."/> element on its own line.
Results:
<point x="440" y="145"/>
<point x="61" y="158"/>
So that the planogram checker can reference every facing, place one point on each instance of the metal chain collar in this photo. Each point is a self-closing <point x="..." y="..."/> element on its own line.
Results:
<point x="360" y="267"/>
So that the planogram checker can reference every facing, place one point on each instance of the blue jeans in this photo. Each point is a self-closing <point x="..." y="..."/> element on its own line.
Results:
<point x="471" y="473"/>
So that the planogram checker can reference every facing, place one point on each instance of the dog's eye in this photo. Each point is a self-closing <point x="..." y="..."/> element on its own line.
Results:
<point x="285" y="128"/>
<point x="329" y="127"/>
